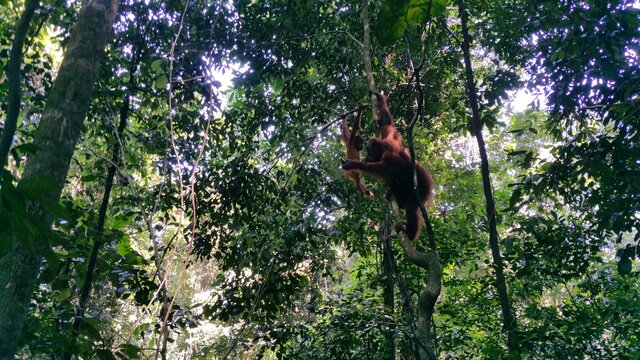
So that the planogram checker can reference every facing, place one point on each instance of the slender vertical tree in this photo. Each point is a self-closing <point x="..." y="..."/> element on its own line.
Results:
<point x="125" y="108"/>
<point x="13" y="75"/>
<point x="56" y="137"/>
<point x="509" y="321"/>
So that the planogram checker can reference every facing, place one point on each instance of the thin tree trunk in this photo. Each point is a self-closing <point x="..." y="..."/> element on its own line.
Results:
<point x="407" y="309"/>
<point x="87" y="284"/>
<point x="426" y="307"/>
<point x="13" y="74"/>
<point x="102" y="212"/>
<point x="366" y="58"/>
<point x="387" y="287"/>
<point x="56" y="137"/>
<point x="509" y="321"/>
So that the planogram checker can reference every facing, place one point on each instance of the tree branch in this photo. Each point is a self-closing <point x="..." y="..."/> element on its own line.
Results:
<point x="13" y="74"/>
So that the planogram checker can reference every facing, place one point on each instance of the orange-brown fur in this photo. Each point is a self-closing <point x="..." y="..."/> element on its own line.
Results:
<point x="386" y="125"/>
<point x="387" y="159"/>
<point x="353" y="144"/>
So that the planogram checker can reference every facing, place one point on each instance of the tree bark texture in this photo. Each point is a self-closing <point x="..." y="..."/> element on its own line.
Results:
<point x="13" y="76"/>
<point x="509" y="321"/>
<point x="56" y="137"/>
<point x="426" y="308"/>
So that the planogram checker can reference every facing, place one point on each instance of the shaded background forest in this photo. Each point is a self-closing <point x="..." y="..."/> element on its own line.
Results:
<point x="204" y="214"/>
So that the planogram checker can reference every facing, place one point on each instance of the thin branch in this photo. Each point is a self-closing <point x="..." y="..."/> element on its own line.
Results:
<point x="14" y="96"/>
<point x="164" y="331"/>
<point x="407" y="307"/>
<point x="35" y="34"/>
<point x="604" y="106"/>
<point x="327" y="125"/>
<point x="453" y="35"/>
<point x="366" y="57"/>
<point x="147" y="216"/>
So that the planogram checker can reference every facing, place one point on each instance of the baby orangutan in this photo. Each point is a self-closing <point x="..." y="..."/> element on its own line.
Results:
<point x="354" y="144"/>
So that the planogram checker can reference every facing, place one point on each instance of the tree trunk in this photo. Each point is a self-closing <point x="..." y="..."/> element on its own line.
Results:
<point x="387" y="287"/>
<point x="366" y="58"/>
<point x="13" y="75"/>
<point x="407" y="309"/>
<point x="426" y="307"/>
<point x="432" y="286"/>
<point x="509" y="321"/>
<point x="56" y="138"/>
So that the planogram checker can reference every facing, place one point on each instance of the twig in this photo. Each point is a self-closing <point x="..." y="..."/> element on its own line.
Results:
<point x="165" y="306"/>
<point x="453" y="35"/>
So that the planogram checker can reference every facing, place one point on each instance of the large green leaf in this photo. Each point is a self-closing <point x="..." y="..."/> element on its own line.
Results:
<point x="396" y="16"/>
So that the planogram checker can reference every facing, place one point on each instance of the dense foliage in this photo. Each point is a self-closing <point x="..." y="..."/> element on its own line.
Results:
<point x="207" y="180"/>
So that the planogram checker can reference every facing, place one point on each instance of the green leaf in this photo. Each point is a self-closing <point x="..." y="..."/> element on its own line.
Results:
<point x="64" y="294"/>
<point x="16" y="157"/>
<point x="395" y="16"/>
<point x="528" y="159"/>
<point x="156" y="66"/>
<point x="124" y="247"/>
<point x="439" y="7"/>
<point x="516" y="153"/>
<point x="515" y="197"/>
<point x="122" y="221"/>
<point x="15" y="202"/>
<point x="105" y="355"/>
<point x="161" y="82"/>
<point x="28" y="148"/>
<point x="132" y="351"/>
<point x="89" y="178"/>
<point x="391" y="21"/>
<point x="419" y="11"/>
<point x="624" y="265"/>
<point x="92" y="327"/>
